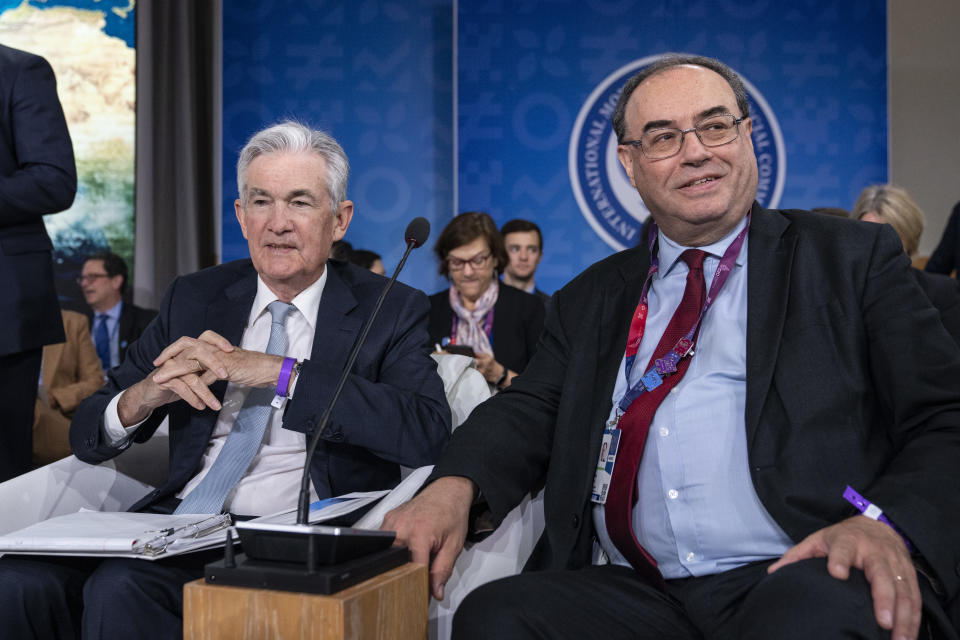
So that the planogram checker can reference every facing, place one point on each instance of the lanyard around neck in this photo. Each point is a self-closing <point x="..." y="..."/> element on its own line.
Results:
<point x="667" y="365"/>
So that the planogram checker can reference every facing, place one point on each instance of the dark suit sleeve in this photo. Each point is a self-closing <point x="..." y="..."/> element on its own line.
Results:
<point x="392" y="403"/>
<point x="86" y="436"/>
<point x="945" y="259"/>
<point x="45" y="178"/>
<point x="915" y="366"/>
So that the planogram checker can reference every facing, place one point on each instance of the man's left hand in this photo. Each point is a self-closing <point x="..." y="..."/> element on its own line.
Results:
<point x="881" y="554"/>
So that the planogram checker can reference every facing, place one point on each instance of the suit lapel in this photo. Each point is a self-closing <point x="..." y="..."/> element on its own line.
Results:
<point x="769" y="264"/>
<point x="619" y="301"/>
<point x="227" y="315"/>
<point x="336" y="329"/>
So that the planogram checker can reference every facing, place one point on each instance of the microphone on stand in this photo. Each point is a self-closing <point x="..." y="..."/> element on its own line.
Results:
<point x="415" y="235"/>
<point x="286" y="556"/>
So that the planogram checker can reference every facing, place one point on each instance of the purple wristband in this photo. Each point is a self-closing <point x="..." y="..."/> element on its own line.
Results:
<point x="283" y="382"/>
<point x="872" y="511"/>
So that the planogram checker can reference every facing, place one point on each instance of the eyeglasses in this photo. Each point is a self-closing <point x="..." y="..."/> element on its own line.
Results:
<point x="714" y="131"/>
<point x="477" y="261"/>
<point x="91" y="277"/>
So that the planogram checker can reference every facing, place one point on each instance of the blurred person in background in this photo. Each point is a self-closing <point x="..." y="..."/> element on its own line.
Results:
<point x="114" y="322"/>
<point x="71" y="371"/>
<point x="885" y="203"/>
<point x="524" y="243"/>
<point x="500" y="324"/>
<point x="368" y="260"/>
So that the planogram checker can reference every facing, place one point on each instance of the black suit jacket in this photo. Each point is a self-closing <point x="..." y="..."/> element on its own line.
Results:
<point x="944" y="295"/>
<point x="851" y="379"/>
<point x="37" y="177"/>
<point x="946" y="257"/>
<point x="517" y="322"/>
<point x="392" y="410"/>
<point x="133" y="322"/>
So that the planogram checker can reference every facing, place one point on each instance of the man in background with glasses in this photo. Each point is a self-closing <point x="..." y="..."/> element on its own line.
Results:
<point x="712" y="411"/>
<point x="114" y="322"/>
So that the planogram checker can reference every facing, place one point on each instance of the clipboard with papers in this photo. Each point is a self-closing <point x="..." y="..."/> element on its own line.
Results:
<point x="118" y="534"/>
<point x="151" y="536"/>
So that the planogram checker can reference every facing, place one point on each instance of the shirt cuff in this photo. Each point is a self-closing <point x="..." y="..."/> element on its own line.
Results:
<point x="116" y="434"/>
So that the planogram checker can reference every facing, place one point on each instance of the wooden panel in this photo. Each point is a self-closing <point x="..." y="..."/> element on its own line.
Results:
<point x="390" y="606"/>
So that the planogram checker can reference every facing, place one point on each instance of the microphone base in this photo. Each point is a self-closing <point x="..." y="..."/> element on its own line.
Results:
<point x="294" y="576"/>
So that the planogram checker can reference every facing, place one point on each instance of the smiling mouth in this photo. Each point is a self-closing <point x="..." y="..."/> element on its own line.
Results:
<point x="696" y="183"/>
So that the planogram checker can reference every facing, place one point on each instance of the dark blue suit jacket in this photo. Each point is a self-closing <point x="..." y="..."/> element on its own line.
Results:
<point x="392" y="410"/>
<point x="37" y="177"/>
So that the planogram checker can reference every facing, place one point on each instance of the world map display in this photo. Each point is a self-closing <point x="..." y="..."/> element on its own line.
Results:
<point x="90" y="45"/>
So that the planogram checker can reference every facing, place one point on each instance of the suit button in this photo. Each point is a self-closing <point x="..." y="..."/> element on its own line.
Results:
<point x="576" y="521"/>
<point x="336" y="437"/>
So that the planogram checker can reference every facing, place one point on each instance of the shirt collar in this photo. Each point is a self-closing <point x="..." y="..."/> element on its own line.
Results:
<point x="307" y="301"/>
<point x="113" y="312"/>
<point x="669" y="251"/>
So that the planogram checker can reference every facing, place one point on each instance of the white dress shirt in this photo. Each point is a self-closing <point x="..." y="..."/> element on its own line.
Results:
<point x="272" y="482"/>
<point x="697" y="511"/>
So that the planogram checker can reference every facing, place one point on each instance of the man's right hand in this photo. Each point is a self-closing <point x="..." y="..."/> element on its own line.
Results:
<point x="434" y="525"/>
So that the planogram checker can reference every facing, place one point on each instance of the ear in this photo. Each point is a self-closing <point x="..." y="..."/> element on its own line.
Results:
<point x="625" y="156"/>
<point x="239" y="210"/>
<point x="747" y="130"/>
<point x="341" y="219"/>
<point x="116" y="283"/>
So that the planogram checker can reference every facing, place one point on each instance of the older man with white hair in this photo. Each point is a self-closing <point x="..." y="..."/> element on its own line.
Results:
<point x="243" y="359"/>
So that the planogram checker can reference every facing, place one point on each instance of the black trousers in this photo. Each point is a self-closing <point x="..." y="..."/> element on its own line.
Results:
<point x="68" y="598"/>
<point x="19" y="375"/>
<point x="798" y="602"/>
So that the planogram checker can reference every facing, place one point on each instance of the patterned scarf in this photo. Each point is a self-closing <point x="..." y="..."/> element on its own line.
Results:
<point x="470" y="327"/>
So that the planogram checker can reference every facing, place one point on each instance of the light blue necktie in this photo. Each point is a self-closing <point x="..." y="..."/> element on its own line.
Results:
<point x="244" y="440"/>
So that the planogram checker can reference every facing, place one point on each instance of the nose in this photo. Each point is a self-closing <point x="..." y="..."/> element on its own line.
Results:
<point x="691" y="149"/>
<point x="278" y="221"/>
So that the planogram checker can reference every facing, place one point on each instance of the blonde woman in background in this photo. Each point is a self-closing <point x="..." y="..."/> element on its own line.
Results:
<point x="887" y="204"/>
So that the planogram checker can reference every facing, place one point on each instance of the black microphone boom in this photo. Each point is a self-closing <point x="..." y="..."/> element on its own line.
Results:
<point x="415" y="235"/>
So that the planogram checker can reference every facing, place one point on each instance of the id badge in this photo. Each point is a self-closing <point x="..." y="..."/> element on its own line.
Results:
<point x="608" y="456"/>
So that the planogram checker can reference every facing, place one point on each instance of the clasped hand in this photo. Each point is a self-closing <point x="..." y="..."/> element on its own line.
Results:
<point x="186" y="369"/>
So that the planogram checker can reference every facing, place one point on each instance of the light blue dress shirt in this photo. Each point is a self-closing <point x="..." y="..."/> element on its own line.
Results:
<point x="697" y="512"/>
<point x="113" y="329"/>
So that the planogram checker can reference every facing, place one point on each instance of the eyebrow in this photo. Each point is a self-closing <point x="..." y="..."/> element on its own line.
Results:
<point x="299" y="193"/>
<point x="296" y="193"/>
<point x="706" y="113"/>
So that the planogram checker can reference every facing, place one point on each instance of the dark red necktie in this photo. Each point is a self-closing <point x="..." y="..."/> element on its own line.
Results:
<point x="635" y="423"/>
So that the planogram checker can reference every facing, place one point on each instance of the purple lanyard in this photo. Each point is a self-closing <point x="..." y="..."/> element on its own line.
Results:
<point x="667" y="365"/>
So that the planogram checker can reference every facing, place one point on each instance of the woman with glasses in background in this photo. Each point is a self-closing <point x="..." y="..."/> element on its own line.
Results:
<point x="478" y="315"/>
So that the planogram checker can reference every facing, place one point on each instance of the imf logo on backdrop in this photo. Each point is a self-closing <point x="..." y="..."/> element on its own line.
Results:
<point x="607" y="199"/>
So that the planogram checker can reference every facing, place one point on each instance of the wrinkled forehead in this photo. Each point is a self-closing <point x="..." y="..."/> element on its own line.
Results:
<point x="679" y="96"/>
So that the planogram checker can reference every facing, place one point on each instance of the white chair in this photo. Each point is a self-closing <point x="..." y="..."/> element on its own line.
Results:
<point x="501" y="554"/>
<point x="69" y="485"/>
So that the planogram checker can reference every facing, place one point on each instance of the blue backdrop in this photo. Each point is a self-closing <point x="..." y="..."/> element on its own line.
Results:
<point x="534" y="80"/>
<point x="379" y="77"/>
